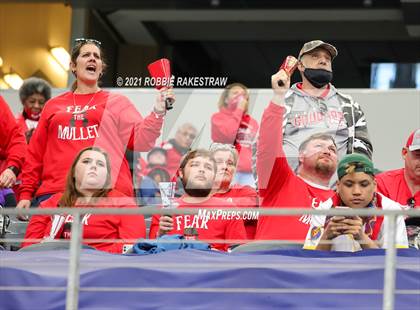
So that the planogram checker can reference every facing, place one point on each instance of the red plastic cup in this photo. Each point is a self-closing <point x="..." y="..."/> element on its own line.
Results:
<point x="289" y="65"/>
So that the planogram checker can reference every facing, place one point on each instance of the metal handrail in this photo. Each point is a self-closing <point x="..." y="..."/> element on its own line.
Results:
<point x="178" y="211"/>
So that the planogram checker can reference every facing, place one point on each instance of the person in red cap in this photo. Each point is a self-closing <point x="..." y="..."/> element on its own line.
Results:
<point x="403" y="185"/>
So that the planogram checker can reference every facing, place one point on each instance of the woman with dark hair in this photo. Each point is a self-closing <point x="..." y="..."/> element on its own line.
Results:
<point x="87" y="116"/>
<point x="33" y="94"/>
<point x="234" y="125"/>
<point x="87" y="185"/>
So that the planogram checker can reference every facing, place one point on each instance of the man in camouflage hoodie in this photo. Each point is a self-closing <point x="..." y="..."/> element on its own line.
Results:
<point x="316" y="106"/>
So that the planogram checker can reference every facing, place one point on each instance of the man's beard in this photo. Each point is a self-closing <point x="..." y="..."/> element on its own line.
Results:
<point x="324" y="169"/>
<point x="197" y="191"/>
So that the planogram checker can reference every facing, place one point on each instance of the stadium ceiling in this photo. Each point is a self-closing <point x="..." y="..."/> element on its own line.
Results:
<point x="223" y="32"/>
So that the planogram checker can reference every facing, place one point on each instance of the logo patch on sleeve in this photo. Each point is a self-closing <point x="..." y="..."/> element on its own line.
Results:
<point x="315" y="233"/>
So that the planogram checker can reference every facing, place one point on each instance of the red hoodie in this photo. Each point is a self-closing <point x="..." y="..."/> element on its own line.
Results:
<point x="95" y="226"/>
<point x="12" y="141"/>
<point x="70" y="123"/>
<point x="235" y="127"/>
<point x="393" y="185"/>
<point x="279" y="186"/>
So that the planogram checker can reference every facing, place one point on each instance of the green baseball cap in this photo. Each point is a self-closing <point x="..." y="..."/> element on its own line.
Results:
<point x="355" y="163"/>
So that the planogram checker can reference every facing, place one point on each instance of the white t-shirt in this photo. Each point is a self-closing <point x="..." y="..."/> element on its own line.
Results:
<point x="346" y="242"/>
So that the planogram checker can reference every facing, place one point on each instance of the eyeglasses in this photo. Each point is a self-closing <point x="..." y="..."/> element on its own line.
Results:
<point x="84" y="40"/>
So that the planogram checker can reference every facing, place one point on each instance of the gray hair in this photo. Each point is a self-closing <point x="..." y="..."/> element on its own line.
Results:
<point x="215" y="147"/>
<point x="34" y="85"/>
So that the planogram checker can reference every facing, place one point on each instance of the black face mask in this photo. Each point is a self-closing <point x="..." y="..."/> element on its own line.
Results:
<point x="318" y="77"/>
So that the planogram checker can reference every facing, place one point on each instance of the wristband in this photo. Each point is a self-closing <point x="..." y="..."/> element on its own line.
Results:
<point x="14" y="169"/>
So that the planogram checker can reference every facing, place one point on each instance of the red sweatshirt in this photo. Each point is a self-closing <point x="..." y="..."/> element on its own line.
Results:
<point x="209" y="226"/>
<point x="95" y="226"/>
<point x="12" y="141"/>
<point x="279" y="186"/>
<point x="70" y="123"/>
<point x="392" y="184"/>
<point x="243" y="197"/>
<point x="235" y="127"/>
<point x="26" y="124"/>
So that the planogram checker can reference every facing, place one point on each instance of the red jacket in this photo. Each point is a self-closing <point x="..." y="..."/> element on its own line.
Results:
<point x="279" y="186"/>
<point x="70" y="123"/>
<point x="12" y="141"/>
<point x="243" y="197"/>
<point x="23" y="124"/>
<point x="220" y="228"/>
<point x="392" y="184"/>
<point x="235" y="127"/>
<point x="95" y="226"/>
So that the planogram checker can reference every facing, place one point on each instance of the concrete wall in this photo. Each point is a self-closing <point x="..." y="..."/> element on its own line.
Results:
<point x="391" y="115"/>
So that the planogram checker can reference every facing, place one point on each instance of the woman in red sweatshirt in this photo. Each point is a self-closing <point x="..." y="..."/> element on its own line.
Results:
<point x="87" y="116"/>
<point x="12" y="146"/>
<point x="88" y="185"/>
<point x="233" y="125"/>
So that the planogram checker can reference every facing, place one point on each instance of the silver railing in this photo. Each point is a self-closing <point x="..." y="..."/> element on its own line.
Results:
<point x="76" y="235"/>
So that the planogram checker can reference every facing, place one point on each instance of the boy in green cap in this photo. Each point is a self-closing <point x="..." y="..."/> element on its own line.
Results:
<point x="356" y="188"/>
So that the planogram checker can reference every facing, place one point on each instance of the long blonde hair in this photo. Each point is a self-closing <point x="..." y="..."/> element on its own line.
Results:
<point x="71" y="194"/>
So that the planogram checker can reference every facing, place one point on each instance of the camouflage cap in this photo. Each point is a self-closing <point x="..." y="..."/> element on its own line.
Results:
<point x="355" y="163"/>
<point x="311" y="45"/>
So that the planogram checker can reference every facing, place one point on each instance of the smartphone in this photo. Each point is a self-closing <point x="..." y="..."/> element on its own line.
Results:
<point x="329" y="217"/>
<point x="289" y="65"/>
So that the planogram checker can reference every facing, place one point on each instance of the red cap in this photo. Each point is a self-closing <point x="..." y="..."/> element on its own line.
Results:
<point x="413" y="142"/>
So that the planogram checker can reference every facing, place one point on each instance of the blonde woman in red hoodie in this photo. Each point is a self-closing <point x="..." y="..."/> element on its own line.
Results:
<point x="234" y="125"/>
<point x="87" y="116"/>
<point x="88" y="185"/>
